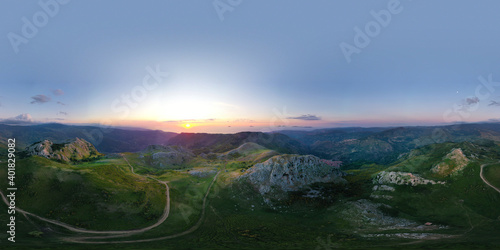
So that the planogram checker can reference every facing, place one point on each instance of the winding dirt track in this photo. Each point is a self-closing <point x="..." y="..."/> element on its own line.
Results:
<point x="188" y="231"/>
<point x="164" y="216"/>
<point x="484" y="179"/>
<point x="123" y="233"/>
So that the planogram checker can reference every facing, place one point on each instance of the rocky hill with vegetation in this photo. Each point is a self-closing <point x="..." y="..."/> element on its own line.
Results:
<point x="73" y="151"/>
<point x="284" y="173"/>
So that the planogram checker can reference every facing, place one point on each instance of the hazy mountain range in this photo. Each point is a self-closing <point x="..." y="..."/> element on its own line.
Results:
<point x="352" y="145"/>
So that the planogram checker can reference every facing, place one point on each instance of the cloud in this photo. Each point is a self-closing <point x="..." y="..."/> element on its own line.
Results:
<point x="62" y="113"/>
<point x="24" y="117"/>
<point x="18" y="120"/>
<point x="58" y="92"/>
<point x="190" y="120"/>
<point x="469" y="104"/>
<point x="307" y="117"/>
<point x="471" y="100"/>
<point x="40" y="99"/>
<point x="60" y="103"/>
<point x="494" y="103"/>
<point x="244" y="120"/>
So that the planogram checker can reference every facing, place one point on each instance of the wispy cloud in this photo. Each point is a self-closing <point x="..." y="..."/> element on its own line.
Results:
<point x="61" y="103"/>
<point x="58" y="92"/>
<point x="307" y="117"/>
<point x="23" y="117"/>
<point x="468" y="103"/>
<point x="494" y="103"/>
<point x="471" y="100"/>
<point x="190" y="120"/>
<point x="40" y="99"/>
<point x="62" y="113"/>
<point x="244" y="120"/>
<point x="18" y="120"/>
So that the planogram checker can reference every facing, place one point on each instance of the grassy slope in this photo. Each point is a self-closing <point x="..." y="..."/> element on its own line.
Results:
<point x="94" y="195"/>
<point x="492" y="174"/>
<point x="465" y="203"/>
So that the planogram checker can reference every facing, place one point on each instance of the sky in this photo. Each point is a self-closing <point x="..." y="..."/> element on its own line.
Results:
<point x="240" y="65"/>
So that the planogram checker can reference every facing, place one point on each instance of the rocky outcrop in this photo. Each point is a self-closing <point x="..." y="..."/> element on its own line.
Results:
<point x="202" y="173"/>
<point x="165" y="156"/>
<point x="43" y="148"/>
<point x="284" y="173"/>
<point x="368" y="215"/>
<point x="76" y="150"/>
<point x="402" y="178"/>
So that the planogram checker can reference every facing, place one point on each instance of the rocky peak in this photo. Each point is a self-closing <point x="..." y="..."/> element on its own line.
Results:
<point x="453" y="163"/>
<point x="284" y="173"/>
<point x="75" y="150"/>
<point x="43" y="148"/>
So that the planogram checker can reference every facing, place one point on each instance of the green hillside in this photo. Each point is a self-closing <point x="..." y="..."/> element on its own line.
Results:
<point x="96" y="195"/>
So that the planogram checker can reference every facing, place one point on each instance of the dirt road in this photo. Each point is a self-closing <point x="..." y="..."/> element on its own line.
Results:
<point x="484" y="179"/>
<point x="162" y="219"/>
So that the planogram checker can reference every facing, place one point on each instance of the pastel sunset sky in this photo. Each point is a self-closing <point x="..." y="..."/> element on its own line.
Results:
<point x="250" y="65"/>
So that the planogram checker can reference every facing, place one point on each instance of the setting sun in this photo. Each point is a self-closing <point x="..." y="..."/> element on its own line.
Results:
<point x="187" y="125"/>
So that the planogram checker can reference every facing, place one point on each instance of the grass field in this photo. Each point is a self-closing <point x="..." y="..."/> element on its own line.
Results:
<point x="97" y="195"/>
<point x="492" y="174"/>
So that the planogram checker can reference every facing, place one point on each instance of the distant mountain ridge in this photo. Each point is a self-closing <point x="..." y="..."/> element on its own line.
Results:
<point x="386" y="145"/>
<point x="219" y="143"/>
<point x="106" y="140"/>
<point x="353" y="146"/>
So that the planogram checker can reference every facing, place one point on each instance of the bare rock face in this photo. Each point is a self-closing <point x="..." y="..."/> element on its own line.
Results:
<point x="283" y="173"/>
<point x="43" y="148"/>
<point x="165" y="156"/>
<point x="402" y="178"/>
<point x="76" y="150"/>
<point x="452" y="164"/>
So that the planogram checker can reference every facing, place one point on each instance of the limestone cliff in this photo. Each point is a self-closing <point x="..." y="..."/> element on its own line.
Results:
<point x="76" y="150"/>
<point x="284" y="173"/>
<point x="402" y="178"/>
